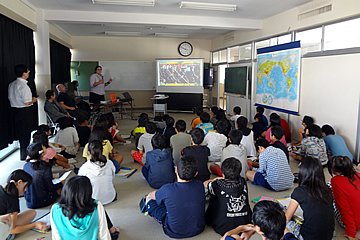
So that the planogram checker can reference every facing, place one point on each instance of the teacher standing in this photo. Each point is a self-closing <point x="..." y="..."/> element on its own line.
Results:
<point x="97" y="86"/>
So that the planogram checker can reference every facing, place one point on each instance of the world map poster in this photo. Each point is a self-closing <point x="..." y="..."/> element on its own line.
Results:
<point x="278" y="77"/>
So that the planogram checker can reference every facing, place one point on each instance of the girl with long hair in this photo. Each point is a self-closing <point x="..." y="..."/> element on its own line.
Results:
<point x="99" y="134"/>
<point x="17" y="183"/>
<point x="346" y="190"/>
<point x="315" y="199"/>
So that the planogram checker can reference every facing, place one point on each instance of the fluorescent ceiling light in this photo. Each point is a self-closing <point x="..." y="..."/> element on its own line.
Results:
<point x="142" y="3"/>
<point x="208" y="6"/>
<point x="174" y="35"/>
<point x="122" y="33"/>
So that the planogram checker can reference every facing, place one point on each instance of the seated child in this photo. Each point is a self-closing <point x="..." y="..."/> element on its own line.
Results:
<point x="216" y="141"/>
<point x="140" y="129"/>
<point x="196" y="121"/>
<point x="247" y="139"/>
<point x="180" y="140"/>
<point x="205" y="124"/>
<point x="237" y="112"/>
<point x="277" y="133"/>
<point x="42" y="192"/>
<point x="41" y="137"/>
<point x="200" y="153"/>
<point x="144" y="144"/>
<point x="159" y="168"/>
<point x="83" y="130"/>
<point x="269" y="221"/>
<point x="16" y="185"/>
<point x="68" y="136"/>
<point x="60" y="149"/>
<point x="301" y="131"/>
<point x="98" y="133"/>
<point x="335" y="144"/>
<point x="112" y="128"/>
<point x="275" y="120"/>
<point x="161" y="125"/>
<point x="168" y="131"/>
<point x="274" y="172"/>
<point x="101" y="173"/>
<point x="213" y="119"/>
<point x="234" y="150"/>
<point x="313" y="145"/>
<point x="143" y="119"/>
<point x="259" y="126"/>
<point x="260" y="110"/>
<point x="78" y="216"/>
<point x="229" y="203"/>
<point x="180" y="207"/>
<point x="287" y="132"/>
<point x="345" y="187"/>
<point x="315" y="199"/>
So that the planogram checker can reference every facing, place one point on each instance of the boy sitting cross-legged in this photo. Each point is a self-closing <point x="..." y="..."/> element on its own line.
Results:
<point x="180" y="140"/>
<point x="274" y="172"/>
<point x="200" y="152"/>
<point x="229" y="204"/>
<point x="180" y="207"/>
<point x="158" y="169"/>
<point x="235" y="150"/>
<point x="269" y="221"/>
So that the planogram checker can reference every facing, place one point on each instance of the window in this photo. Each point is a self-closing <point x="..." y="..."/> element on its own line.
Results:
<point x="234" y="54"/>
<point x="310" y="40"/>
<point x="262" y="44"/>
<point x="342" y="35"/>
<point x="215" y="57"/>
<point x="284" y="39"/>
<point x="245" y="52"/>
<point x="223" y="55"/>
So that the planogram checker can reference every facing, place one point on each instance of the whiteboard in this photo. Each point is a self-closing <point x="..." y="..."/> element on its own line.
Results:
<point x="129" y="75"/>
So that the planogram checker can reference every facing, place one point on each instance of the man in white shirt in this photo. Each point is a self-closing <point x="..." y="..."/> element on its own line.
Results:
<point x="21" y="99"/>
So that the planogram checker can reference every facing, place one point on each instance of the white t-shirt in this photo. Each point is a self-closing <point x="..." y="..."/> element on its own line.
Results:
<point x="239" y="152"/>
<point x="248" y="142"/>
<point x="145" y="144"/>
<point x="216" y="143"/>
<point x="101" y="179"/>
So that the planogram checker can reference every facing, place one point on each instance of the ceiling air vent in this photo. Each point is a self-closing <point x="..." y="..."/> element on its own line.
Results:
<point x="314" y="12"/>
<point x="229" y="37"/>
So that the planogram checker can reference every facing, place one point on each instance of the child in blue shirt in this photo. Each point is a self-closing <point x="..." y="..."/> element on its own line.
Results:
<point x="205" y="123"/>
<point x="274" y="172"/>
<point x="180" y="207"/>
<point x="158" y="169"/>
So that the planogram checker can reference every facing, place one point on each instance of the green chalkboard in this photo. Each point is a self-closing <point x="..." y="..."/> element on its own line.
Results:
<point x="85" y="69"/>
<point x="236" y="80"/>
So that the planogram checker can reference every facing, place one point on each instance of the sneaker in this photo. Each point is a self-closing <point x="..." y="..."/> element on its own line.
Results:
<point x="126" y="142"/>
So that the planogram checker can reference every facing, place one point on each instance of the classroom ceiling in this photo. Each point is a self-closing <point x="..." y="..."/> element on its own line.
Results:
<point x="83" y="18"/>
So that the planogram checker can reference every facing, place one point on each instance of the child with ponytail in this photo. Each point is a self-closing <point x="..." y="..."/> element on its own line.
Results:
<point x="17" y="184"/>
<point x="346" y="190"/>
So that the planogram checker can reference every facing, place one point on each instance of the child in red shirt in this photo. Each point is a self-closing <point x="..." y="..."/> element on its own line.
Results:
<point x="346" y="189"/>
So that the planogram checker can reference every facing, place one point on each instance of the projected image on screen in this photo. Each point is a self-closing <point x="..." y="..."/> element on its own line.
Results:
<point x="180" y="73"/>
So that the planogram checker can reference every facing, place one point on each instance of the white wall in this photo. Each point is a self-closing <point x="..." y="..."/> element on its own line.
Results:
<point x="134" y="49"/>
<point x="283" y="22"/>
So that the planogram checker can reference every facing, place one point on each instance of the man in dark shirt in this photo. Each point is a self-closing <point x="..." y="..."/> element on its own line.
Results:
<point x="66" y="102"/>
<point x="277" y="133"/>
